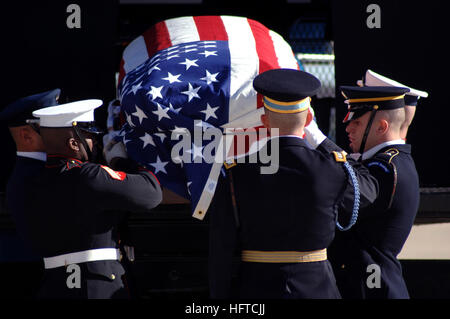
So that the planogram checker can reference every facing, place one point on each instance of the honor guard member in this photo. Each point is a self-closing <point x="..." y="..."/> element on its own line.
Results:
<point x="72" y="213"/>
<point x="31" y="156"/>
<point x="372" y="78"/>
<point x="365" y="257"/>
<point x="284" y="221"/>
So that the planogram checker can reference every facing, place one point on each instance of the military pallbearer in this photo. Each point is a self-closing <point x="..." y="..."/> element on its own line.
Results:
<point x="73" y="211"/>
<point x="283" y="223"/>
<point x="374" y="126"/>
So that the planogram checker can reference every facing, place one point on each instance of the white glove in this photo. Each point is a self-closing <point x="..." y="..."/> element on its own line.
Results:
<point x="114" y="149"/>
<point x="313" y="134"/>
<point x="107" y="138"/>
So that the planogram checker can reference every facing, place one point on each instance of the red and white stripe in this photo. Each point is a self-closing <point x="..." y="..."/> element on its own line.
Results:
<point x="253" y="50"/>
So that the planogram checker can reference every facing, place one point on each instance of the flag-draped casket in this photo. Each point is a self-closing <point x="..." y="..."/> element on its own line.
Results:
<point x="185" y="78"/>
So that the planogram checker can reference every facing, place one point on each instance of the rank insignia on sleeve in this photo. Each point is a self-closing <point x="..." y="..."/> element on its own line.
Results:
<point x="380" y="165"/>
<point x="340" y="157"/>
<point x="120" y="176"/>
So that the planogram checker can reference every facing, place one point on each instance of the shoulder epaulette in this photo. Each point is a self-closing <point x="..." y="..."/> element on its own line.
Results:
<point x="340" y="157"/>
<point x="229" y="164"/>
<point x="385" y="157"/>
<point x="391" y="153"/>
<point x="72" y="163"/>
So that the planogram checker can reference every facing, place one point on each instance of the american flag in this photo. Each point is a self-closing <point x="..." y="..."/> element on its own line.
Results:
<point x="189" y="74"/>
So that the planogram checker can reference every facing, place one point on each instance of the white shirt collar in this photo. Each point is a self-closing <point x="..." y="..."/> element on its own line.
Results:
<point x="368" y="154"/>
<point x="41" y="156"/>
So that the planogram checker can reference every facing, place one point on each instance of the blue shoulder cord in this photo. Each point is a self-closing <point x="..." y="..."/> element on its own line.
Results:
<point x="356" y="202"/>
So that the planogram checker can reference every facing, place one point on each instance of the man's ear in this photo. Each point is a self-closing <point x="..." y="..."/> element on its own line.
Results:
<point x="383" y="127"/>
<point x="265" y="120"/>
<point x="72" y="143"/>
<point x="309" y="118"/>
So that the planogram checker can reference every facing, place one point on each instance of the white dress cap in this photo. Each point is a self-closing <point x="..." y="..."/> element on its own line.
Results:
<point x="64" y="115"/>
<point x="375" y="79"/>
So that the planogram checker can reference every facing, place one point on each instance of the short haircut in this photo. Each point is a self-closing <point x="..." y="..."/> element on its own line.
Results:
<point x="287" y="120"/>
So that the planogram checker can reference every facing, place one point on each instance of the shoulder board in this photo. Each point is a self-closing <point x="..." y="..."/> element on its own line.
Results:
<point x="71" y="163"/>
<point x="390" y="154"/>
<point x="340" y="157"/>
<point x="383" y="159"/>
<point x="230" y="164"/>
<point x="120" y="176"/>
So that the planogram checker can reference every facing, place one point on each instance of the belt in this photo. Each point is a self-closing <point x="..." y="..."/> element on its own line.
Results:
<point x="82" y="257"/>
<point x="257" y="256"/>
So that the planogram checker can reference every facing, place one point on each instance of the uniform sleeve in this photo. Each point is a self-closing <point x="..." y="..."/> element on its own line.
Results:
<point x="328" y="146"/>
<point x="368" y="184"/>
<point x="386" y="176"/>
<point x="116" y="190"/>
<point x="368" y="188"/>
